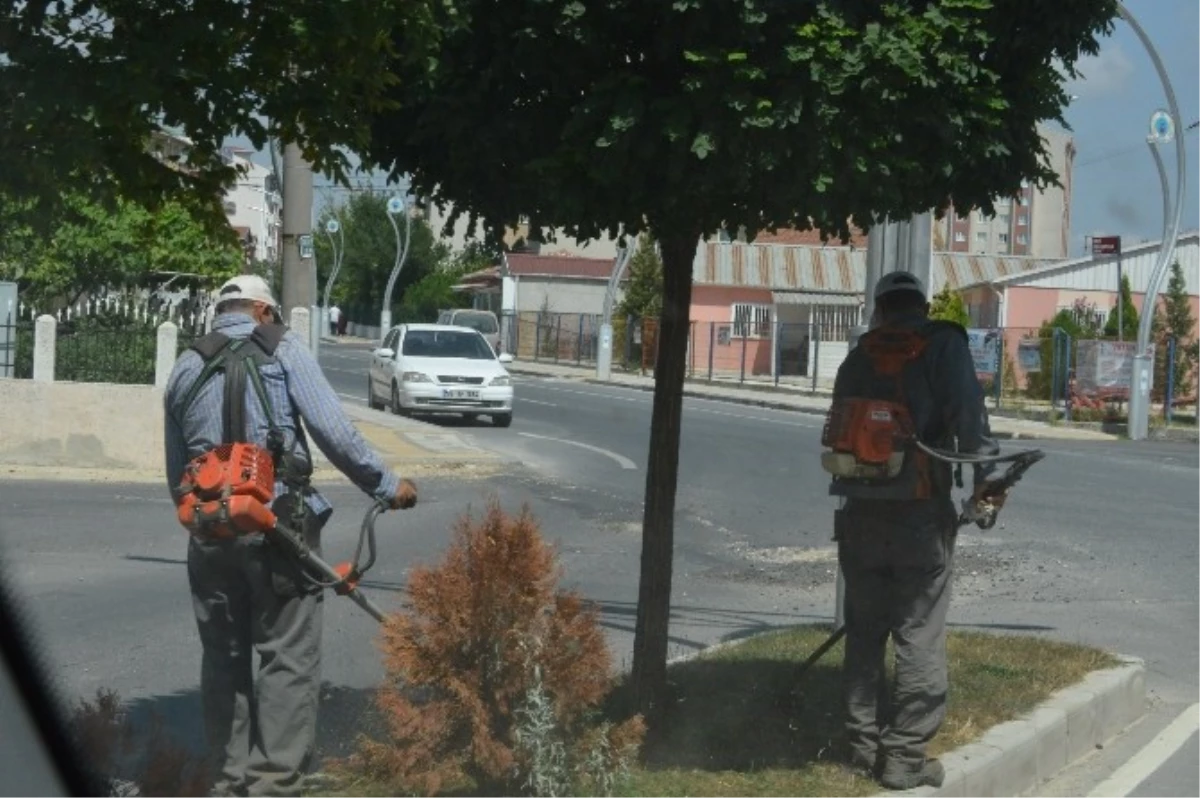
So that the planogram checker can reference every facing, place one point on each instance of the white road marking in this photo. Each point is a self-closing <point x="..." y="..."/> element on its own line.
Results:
<point x="357" y="372"/>
<point x="1127" y="777"/>
<point x="353" y="398"/>
<point x="621" y="460"/>
<point x="535" y="401"/>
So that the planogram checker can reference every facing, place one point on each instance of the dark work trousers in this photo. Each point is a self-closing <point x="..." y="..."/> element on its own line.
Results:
<point x="896" y="560"/>
<point x="250" y="597"/>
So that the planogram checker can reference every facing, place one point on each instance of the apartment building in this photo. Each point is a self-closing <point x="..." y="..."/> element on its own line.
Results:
<point x="1036" y="222"/>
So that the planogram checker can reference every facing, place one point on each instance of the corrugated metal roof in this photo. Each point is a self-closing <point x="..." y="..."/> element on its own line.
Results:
<point x="791" y="267"/>
<point x="1100" y="273"/>
<point x="522" y="264"/>
<point x="815" y="298"/>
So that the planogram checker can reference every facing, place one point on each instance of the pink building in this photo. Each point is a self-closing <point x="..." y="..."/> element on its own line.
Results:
<point x="1020" y="303"/>
<point x="789" y="307"/>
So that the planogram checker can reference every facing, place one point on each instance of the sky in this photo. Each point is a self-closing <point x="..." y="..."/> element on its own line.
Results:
<point x="1115" y="186"/>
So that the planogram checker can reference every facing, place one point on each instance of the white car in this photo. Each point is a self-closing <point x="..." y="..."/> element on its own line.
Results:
<point x="430" y="368"/>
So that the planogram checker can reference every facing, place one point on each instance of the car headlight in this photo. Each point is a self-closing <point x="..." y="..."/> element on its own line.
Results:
<point x="501" y="381"/>
<point x="414" y="376"/>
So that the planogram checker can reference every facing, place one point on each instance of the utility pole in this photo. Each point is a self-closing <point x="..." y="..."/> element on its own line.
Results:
<point x="299" y="272"/>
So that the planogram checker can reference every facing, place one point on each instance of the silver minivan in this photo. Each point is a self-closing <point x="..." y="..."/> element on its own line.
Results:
<point x="483" y="321"/>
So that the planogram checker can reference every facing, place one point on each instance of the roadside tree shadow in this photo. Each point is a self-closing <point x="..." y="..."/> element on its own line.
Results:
<point x="744" y="715"/>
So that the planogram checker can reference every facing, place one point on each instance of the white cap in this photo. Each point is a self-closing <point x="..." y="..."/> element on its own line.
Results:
<point x="247" y="286"/>
<point x="892" y="282"/>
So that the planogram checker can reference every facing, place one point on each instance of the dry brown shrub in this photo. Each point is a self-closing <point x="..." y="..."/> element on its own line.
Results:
<point x="488" y="631"/>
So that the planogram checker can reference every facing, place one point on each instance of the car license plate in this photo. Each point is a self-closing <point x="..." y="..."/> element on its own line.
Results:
<point x="459" y="394"/>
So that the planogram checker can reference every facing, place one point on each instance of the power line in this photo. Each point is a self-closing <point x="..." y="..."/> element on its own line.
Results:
<point x="1108" y="156"/>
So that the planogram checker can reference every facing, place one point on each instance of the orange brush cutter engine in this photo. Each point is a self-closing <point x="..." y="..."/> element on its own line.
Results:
<point x="869" y="437"/>
<point x="866" y="437"/>
<point x="225" y="492"/>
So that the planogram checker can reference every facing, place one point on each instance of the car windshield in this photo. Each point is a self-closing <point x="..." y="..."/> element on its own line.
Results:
<point x="484" y="322"/>
<point x="447" y="344"/>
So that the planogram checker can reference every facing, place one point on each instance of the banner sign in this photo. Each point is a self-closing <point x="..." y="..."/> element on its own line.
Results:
<point x="1029" y="355"/>
<point x="1105" y="368"/>
<point x="985" y="351"/>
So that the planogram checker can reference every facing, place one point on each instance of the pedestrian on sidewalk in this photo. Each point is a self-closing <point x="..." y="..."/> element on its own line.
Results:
<point x="896" y="536"/>
<point x="335" y="319"/>
<point x="248" y="595"/>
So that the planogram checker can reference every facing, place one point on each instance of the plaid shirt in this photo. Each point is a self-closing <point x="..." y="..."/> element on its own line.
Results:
<point x="297" y="389"/>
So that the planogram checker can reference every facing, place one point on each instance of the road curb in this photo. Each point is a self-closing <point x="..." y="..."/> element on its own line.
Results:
<point x="769" y="404"/>
<point x="1017" y="756"/>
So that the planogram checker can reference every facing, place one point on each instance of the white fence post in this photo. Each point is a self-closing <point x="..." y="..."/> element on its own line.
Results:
<point x="45" y="337"/>
<point x="164" y="360"/>
<point x="301" y="325"/>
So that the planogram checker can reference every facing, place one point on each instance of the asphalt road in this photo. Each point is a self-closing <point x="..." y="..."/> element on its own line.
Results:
<point x="1098" y="545"/>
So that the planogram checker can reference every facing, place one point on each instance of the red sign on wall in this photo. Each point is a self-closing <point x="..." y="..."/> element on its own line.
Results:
<point x="1106" y="245"/>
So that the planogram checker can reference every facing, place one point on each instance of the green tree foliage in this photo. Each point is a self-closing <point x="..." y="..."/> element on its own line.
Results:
<point x="1129" y="315"/>
<point x="948" y="305"/>
<point x="370" y="253"/>
<point x="697" y="115"/>
<point x="1173" y="318"/>
<point x="643" y="291"/>
<point x="432" y="293"/>
<point x="94" y="247"/>
<point x="85" y="85"/>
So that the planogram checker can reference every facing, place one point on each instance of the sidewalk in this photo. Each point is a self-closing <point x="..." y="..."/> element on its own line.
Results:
<point x="789" y="398"/>
<point x="412" y="447"/>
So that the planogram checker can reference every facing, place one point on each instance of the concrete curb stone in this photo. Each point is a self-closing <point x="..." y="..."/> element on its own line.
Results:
<point x="1014" y="757"/>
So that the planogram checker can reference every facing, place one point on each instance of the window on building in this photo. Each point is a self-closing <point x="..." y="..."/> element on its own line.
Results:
<point x="981" y="216"/>
<point x="1003" y="219"/>
<point x="723" y="236"/>
<point x="751" y="321"/>
<point x="1024" y="200"/>
<point x="1002" y="238"/>
<point x="1022" y="239"/>
<point x="1022" y="219"/>
<point x="960" y="236"/>
<point x="981" y="236"/>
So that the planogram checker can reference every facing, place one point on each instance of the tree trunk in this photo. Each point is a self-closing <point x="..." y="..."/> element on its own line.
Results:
<point x="658" y="521"/>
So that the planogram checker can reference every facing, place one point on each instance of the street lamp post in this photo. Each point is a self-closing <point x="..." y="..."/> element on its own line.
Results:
<point x="395" y="205"/>
<point x="1162" y="130"/>
<point x="338" y="247"/>
<point x="604" y="353"/>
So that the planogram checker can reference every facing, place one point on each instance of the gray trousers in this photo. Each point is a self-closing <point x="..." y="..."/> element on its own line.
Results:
<point x="896" y="560"/>
<point x="249" y="597"/>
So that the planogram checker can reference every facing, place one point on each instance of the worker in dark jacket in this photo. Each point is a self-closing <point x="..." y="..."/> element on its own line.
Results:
<point x="896" y="535"/>
<point x="250" y="597"/>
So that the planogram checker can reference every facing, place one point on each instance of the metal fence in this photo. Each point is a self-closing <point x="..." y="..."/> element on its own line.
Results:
<point x="16" y="347"/>
<point x="1050" y="372"/>
<point x="803" y="355"/>
<point x="95" y="342"/>
<point x="1021" y="370"/>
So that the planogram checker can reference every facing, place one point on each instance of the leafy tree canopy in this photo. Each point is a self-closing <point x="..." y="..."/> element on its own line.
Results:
<point x="94" y="248"/>
<point x="85" y="85"/>
<point x="686" y="115"/>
